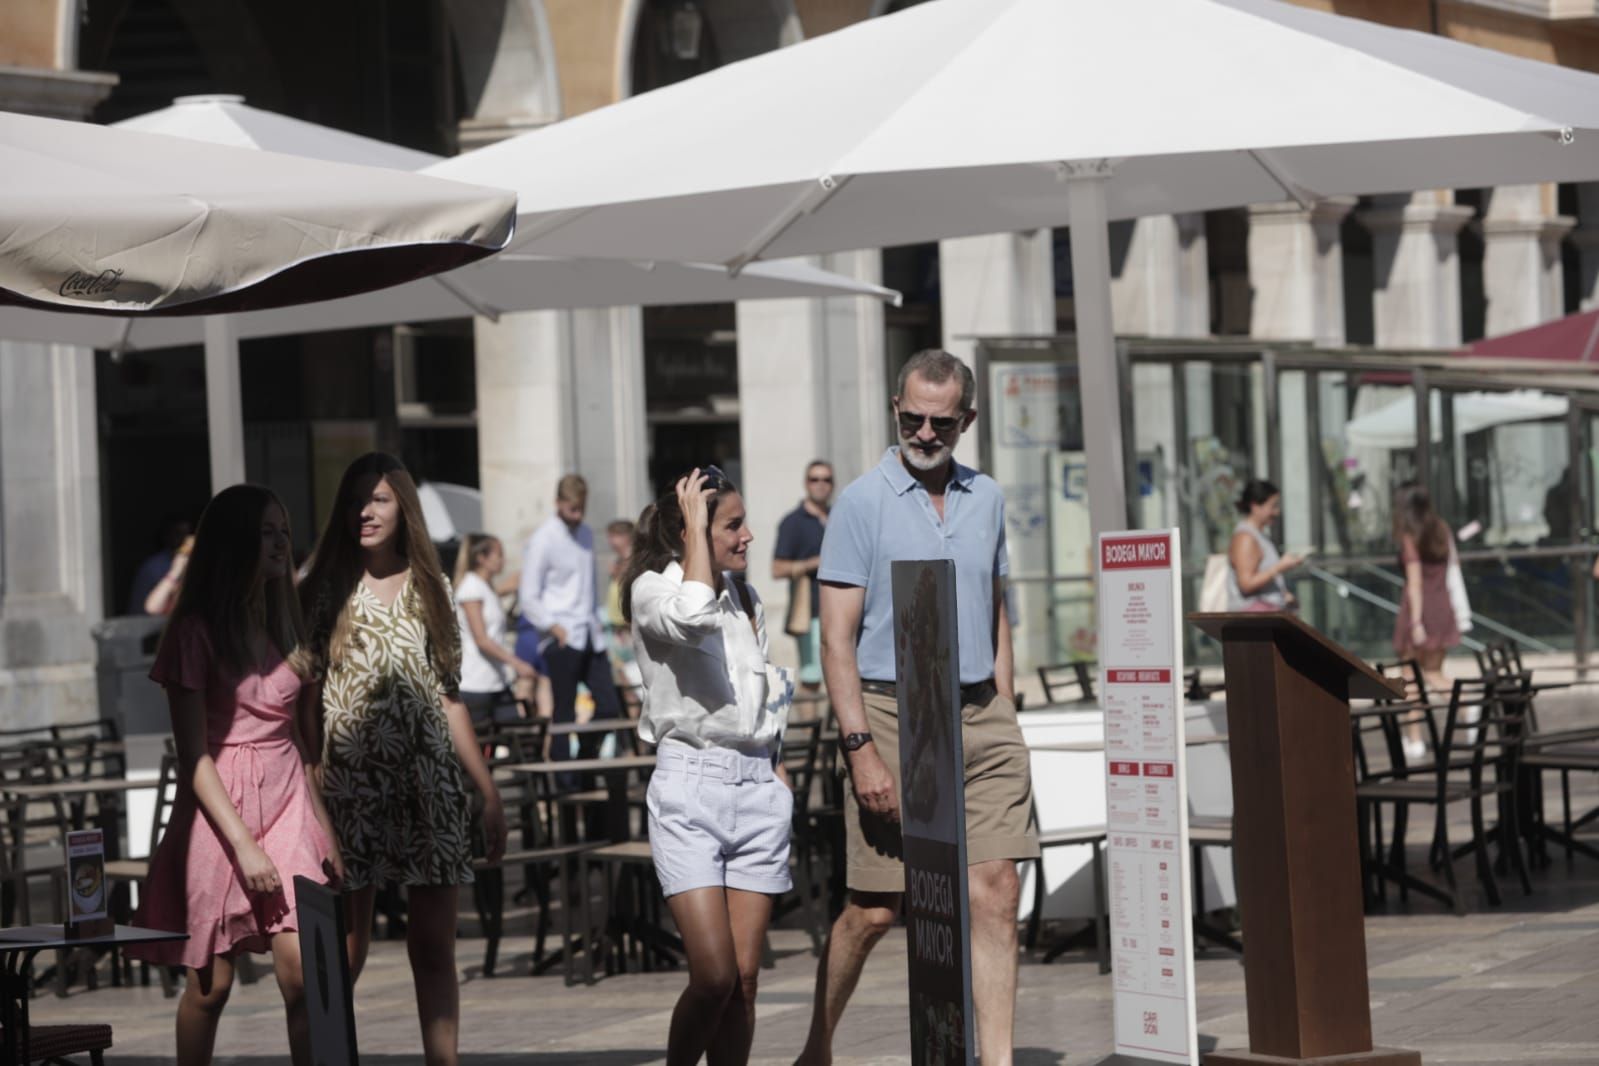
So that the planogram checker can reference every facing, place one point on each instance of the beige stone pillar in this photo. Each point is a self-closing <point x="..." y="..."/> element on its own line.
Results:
<point x="1521" y="269"/>
<point x="1296" y="271"/>
<point x="1416" y="264"/>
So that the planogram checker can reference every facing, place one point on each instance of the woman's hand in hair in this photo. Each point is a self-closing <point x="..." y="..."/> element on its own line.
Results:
<point x="694" y="498"/>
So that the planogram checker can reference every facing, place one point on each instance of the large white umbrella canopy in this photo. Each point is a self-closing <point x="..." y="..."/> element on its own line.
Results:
<point x="977" y="116"/>
<point x="110" y="220"/>
<point x="506" y="283"/>
<point x="500" y="284"/>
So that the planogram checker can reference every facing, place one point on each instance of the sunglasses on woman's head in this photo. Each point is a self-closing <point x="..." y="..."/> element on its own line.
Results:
<point x="910" y="422"/>
<point x="714" y="478"/>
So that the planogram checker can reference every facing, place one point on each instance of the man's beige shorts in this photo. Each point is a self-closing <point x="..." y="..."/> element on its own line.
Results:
<point x="999" y="794"/>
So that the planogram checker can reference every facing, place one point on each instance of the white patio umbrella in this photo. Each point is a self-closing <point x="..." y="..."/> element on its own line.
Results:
<point x="500" y="284"/>
<point x="1394" y="426"/>
<point x="109" y="220"/>
<point x="979" y="116"/>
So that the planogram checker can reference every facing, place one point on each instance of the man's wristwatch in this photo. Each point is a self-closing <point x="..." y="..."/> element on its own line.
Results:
<point x="855" y="741"/>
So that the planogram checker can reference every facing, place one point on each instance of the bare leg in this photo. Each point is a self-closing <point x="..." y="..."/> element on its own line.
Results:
<point x="205" y="993"/>
<point x="358" y="928"/>
<point x="291" y="982"/>
<point x="864" y="920"/>
<point x="1432" y="672"/>
<point x="748" y="913"/>
<point x="995" y="890"/>
<point x="701" y="917"/>
<point x="430" y="941"/>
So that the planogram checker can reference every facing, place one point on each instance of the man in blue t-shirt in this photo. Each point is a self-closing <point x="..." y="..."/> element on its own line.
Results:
<point x="796" y="557"/>
<point x="919" y="503"/>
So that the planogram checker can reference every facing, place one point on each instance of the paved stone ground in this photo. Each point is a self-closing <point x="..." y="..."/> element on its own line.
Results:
<point x="1501" y="986"/>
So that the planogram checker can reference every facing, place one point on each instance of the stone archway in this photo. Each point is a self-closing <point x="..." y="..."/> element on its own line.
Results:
<point x="508" y="67"/>
<point x="730" y="30"/>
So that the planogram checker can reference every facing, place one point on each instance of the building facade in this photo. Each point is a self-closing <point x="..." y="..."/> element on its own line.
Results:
<point x="629" y="396"/>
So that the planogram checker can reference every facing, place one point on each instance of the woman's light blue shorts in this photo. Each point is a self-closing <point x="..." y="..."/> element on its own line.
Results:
<point x="718" y="819"/>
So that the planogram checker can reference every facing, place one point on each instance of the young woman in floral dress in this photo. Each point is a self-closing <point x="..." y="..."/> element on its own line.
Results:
<point x="397" y="743"/>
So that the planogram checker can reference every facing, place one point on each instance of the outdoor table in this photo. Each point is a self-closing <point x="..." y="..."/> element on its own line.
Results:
<point x="614" y="771"/>
<point x="19" y="945"/>
<point x="1066" y="744"/>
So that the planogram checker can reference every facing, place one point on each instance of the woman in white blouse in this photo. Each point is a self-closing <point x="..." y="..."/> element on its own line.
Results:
<point x="720" y="807"/>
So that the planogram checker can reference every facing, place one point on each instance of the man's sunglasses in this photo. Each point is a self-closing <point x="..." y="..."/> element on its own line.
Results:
<point x="910" y="422"/>
<point x="824" y="479"/>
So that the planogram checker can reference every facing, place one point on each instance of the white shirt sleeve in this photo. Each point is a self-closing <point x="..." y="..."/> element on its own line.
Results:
<point x="472" y="589"/>
<point x="530" y="593"/>
<point x="680" y="612"/>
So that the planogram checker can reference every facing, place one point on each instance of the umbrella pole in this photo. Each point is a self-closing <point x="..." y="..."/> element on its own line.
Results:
<point x="1096" y="345"/>
<point x="224" y="409"/>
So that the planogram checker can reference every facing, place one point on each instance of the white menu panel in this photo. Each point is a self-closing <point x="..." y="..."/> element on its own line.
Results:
<point x="1141" y="668"/>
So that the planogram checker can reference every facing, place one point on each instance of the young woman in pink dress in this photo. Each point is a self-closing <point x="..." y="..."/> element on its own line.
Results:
<point x="247" y="817"/>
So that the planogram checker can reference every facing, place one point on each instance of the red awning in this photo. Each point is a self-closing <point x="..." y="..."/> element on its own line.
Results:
<point x="1573" y="339"/>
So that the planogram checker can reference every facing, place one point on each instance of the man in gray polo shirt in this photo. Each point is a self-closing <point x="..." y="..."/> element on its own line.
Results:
<point x="921" y="504"/>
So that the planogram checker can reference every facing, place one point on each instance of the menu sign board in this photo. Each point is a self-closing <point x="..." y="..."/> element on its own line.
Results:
<point x="329" y="1008"/>
<point x="933" y="813"/>
<point x="86" y="887"/>
<point x="1141" y="664"/>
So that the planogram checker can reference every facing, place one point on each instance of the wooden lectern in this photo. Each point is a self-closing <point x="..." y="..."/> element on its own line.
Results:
<point x="1295" y="854"/>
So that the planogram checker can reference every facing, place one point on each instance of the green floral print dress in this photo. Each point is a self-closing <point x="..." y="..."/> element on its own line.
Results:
<point x="391" y="779"/>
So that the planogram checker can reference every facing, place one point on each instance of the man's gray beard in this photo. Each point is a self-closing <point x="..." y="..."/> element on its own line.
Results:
<point x="921" y="460"/>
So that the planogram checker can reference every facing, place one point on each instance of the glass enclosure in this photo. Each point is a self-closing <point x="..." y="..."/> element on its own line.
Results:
<point x="1509" y="450"/>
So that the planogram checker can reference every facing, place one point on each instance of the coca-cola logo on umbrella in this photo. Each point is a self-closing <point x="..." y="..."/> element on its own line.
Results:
<point x="80" y="284"/>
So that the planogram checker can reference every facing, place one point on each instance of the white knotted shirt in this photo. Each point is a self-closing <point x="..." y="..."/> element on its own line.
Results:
<point x="706" y="678"/>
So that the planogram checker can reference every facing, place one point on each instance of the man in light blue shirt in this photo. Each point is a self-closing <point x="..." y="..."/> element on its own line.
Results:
<point x="918" y="503"/>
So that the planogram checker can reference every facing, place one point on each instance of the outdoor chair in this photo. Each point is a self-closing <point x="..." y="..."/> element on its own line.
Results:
<point x="1473" y="762"/>
<point x="135" y="872"/>
<point x="1209" y="831"/>
<point x="1092" y="837"/>
<point x="810" y="853"/>
<point x="630" y="933"/>
<point x="1067" y="682"/>
<point x="54" y="1043"/>
<point x="529" y="846"/>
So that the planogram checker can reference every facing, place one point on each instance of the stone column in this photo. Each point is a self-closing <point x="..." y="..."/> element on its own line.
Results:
<point x="50" y="563"/>
<point x="560" y="392"/>
<point x="1001" y="285"/>
<point x="1586" y="238"/>
<point x="1521" y="269"/>
<point x="1416" y="264"/>
<point x="50" y="567"/>
<point x="811" y="382"/>
<point x="1162" y="288"/>
<point x="1296" y="269"/>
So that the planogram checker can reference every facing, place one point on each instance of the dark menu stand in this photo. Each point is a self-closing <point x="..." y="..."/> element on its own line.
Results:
<point x="17" y="950"/>
<point x="1296" y="857"/>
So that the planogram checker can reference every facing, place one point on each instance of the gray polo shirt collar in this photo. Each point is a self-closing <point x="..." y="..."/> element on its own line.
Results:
<point x="902" y="480"/>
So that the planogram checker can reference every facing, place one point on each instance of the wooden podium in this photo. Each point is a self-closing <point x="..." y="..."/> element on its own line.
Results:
<point x="1295" y="854"/>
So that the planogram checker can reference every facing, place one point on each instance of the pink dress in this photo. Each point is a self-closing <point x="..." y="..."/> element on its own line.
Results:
<point x="195" y="884"/>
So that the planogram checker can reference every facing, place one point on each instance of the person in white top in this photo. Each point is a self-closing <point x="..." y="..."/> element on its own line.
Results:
<point x="720" y="806"/>
<point x="488" y="666"/>
<point x="557" y="598"/>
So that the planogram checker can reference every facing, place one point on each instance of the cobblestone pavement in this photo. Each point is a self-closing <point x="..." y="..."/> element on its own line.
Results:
<point x="1501" y="986"/>
<point x="1504" y="988"/>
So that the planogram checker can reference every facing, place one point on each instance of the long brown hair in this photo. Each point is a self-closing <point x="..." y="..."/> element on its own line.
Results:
<point x="1415" y="518"/>
<point x="658" y="535"/>
<point x="222" y="586"/>
<point x="336" y="569"/>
